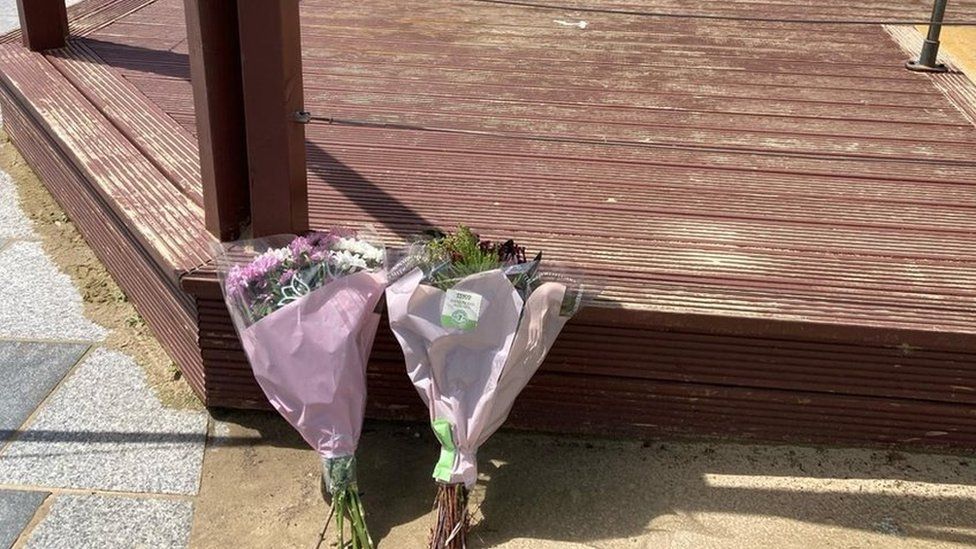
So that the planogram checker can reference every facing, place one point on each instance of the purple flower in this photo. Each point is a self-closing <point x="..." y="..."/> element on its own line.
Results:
<point x="260" y="267"/>
<point x="319" y="255"/>
<point x="236" y="281"/>
<point x="325" y="240"/>
<point x="286" y="277"/>
<point x="240" y="277"/>
<point x="299" y="246"/>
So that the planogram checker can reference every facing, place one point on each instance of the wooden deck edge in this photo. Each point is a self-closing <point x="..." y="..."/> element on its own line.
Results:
<point x="203" y="284"/>
<point x="164" y="142"/>
<point x="665" y="383"/>
<point x="152" y="292"/>
<point x="168" y="224"/>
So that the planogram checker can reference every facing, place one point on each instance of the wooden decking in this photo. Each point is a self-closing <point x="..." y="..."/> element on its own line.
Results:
<point x="782" y="219"/>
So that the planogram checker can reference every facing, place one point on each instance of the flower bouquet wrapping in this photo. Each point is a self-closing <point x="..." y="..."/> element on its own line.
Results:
<point x="305" y="310"/>
<point x="475" y="320"/>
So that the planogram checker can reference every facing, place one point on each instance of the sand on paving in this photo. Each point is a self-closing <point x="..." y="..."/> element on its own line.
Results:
<point x="260" y="489"/>
<point x="105" y="303"/>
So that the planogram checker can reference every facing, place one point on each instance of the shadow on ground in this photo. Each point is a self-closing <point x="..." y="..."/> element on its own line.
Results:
<point x="261" y="486"/>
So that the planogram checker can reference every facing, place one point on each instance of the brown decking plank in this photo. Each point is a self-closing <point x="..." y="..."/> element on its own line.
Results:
<point x="663" y="408"/>
<point x="484" y="84"/>
<point x="632" y="188"/>
<point x="161" y="139"/>
<point x="549" y="59"/>
<point x="621" y="202"/>
<point x="166" y="221"/>
<point x="561" y="46"/>
<point x="656" y="153"/>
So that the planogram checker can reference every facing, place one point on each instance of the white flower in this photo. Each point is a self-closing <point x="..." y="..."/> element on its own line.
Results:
<point x="281" y="254"/>
<point x="364" y="249"/>
<point x="347" y="261"/>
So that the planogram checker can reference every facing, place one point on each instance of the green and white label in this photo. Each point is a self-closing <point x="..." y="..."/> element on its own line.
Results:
<point x="461" y="310"/>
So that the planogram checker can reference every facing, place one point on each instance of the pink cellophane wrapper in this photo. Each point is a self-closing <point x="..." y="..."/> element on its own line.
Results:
<point x="310" y="359"/>
<point x="471" y="379"/>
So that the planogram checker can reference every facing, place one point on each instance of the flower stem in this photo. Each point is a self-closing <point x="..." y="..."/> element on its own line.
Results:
<point x="452" y="521"/>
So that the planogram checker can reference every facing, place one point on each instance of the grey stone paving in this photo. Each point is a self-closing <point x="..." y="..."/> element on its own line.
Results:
<point x="104" y="429"/>
<point x="40" y="302"/>
<point x="16" y="510"/>
<point x="85" y="522"/>
<point x="28" y="372"/>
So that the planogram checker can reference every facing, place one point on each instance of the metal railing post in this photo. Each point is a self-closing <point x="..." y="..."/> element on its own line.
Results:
<point x="927" y="60"/>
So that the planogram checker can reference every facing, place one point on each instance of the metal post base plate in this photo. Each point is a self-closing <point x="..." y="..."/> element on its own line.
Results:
<point x="916" y="67"/>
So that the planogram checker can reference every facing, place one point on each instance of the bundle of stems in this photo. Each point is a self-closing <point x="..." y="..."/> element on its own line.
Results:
<point x="452" y="521"/>
<point x="346" y="505"/>
<point x="341" y="492"/>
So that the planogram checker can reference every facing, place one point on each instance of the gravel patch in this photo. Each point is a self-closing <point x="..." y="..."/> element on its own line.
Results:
<point x="13" y="222"/>
<point x="28" y="372"/>
<point x="105" y="429"/>
<point x="40" y="302"/>
<point x="102" y="521"/>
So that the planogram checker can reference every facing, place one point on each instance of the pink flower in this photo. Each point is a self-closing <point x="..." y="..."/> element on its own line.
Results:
<point x="236" y="282"/>
<point x="300" y="246"/>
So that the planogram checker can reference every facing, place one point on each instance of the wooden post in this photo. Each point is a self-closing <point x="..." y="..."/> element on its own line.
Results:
<point x="271" y="63"/>
<point x="215" y="69"/>
<point x="43" y="24"/>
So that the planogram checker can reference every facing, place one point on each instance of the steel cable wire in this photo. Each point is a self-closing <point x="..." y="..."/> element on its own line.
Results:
<point x="716" y="17"/>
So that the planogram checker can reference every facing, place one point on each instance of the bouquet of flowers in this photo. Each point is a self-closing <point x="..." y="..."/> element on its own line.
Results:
<point x="305" y="310"/>
<point x="475" y="319"/>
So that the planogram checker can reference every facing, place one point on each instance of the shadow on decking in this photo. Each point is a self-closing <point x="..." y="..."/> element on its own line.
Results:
<point x="384" y="208"/>
<point x="135" y="58"/>
<point x="322" y="165"/>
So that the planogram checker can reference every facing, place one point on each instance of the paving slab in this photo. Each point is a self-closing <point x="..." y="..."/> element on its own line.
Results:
<point x="104" y="428"/>
<point x="39" y="301"/>
<point x="9" y="20"/>
<point x="86" y="521"/>
<point x="13" y="222"/>
<point x="28" y="373"/>
<point x="16" y="510"/>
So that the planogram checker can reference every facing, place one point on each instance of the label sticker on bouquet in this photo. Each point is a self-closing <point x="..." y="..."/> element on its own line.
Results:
<point x="461" y="310"/>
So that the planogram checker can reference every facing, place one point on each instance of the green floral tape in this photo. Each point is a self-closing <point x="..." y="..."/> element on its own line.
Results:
<point x="339" y="473"/>
<point x="442" y="471"/>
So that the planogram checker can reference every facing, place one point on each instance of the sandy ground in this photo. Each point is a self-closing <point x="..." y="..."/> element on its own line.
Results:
<point x="260" y="489"/>
<point x="105" y="303"/>
<point x="960" y="43"/>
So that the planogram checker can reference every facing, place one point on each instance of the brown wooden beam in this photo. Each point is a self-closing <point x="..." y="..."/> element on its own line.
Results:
<point x="43" y="24"/>
<point x="271" y="55"/>
<point x="215" y="69"/>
